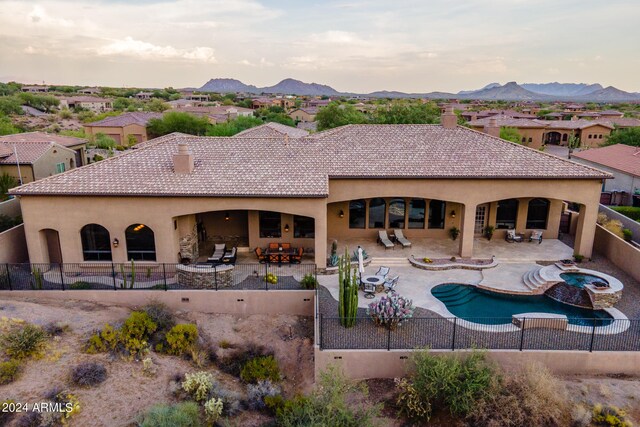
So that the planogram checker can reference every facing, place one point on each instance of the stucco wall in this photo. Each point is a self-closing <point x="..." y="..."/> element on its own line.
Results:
<point x="11" y="208"/>
<point x="13" y="246"/>
<point x="622" y="254"/>
<point x="620" y="182"/>
<point x="46" y="165"/>
<point x="25" y="170"/>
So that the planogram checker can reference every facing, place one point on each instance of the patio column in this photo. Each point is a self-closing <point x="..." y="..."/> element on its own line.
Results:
<point x="586" y="230"/>
<point x="467" y="223"/>
<point x="320" y="241"/>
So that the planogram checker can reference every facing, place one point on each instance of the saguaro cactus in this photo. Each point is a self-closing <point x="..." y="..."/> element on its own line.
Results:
<point x="348" y="298"/>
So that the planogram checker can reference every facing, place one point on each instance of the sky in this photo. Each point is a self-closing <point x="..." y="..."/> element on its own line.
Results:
<point x="351" y="45"/>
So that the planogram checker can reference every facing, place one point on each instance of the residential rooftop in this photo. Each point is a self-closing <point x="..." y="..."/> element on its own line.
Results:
<point x="28" y="152"/>
<point x="272" y="130"/>
<point x="133" y="118"/>
<point x="244" y="166"/>
<point x="622" y="157"/>
<point x="65" y="141"/>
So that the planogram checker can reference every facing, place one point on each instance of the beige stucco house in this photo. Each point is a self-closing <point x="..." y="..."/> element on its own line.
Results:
<point x="120" y="128"/>
<point x="348" y="182"/>
<point x="91" y="103"/>
<point x="30" y="161"/>
<point x="304" y="114"/>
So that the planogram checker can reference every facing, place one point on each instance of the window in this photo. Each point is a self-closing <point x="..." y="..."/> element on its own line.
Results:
<point x="270" y="225"/>
<point x="537" y="214"/>
<point x="377" y="209"/>
<point x="396" y="213"/>
<point x="564" y="136"/>
<point x="304" y="227"/>
<point x="530" y="139"/>
<point x="60" y="167"/>
<point x="357" y="213"/>
<point x="436" y="213"/>
<point x="416" y="213"/>
<point x="141" y="243"/>
<point x="589" y="136"/>
<point x="524" y="139"/>
<point x="507" y="213"/>
<point x="96" y="243"/>
<point x="599" y="136"/>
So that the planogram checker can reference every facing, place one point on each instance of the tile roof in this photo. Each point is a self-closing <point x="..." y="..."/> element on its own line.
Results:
<point x="28" y="152"/>
<point x="573" y="124"/>
<point x="86" y="99"/>
<point x="301" y="167"/>
<point x="137" y="117"/>
<point x="619" y="121"/>
<point x="508" y="121"/>
<point x="65" y="141"/>
<point x="273" y="130"/>
<point x="622" y="157"/>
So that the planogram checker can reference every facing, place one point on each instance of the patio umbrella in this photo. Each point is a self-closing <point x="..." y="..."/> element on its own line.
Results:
<point x="360" y="262"/>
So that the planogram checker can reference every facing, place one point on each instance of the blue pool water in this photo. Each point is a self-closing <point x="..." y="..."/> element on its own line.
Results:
<point x="580" y="279"/>
<point x="491" y="308"/>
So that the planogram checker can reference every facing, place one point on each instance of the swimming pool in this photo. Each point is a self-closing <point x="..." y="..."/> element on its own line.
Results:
<point x="491" y="308"/>
<point x="581" y="279"/>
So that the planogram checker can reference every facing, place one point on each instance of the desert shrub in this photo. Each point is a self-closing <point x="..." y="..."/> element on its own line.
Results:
<point x="185" y="414"/>
<point x="390" y="310"/>
<point x="454" y="383"/>
<point x="609" y="416"/>
<point x="88" y="374"/>
<point x="182" y="339"/>
<point x="409" y="401"/>
<point x="628" y="211"/>
<point x="532" y="397"/>
<point x="22" y="342"/>
<point x="233" y="363"/>
<point x="161" y="315"/>
<point x="104" y="340"/>
<point x="231" y="400"/>
<point x="9" y="371"/>
<point x="80" y="285"/>
<point x="336" y="401"/>
<point x="97" y="157"/>
<point x="614" y="226"/>
<point x="256" y="393"/>
<point x="309" y="281"/>
<point x="581" y="416"/>
<point x="224" y="344"/>
<point x="198" y="385"/>
<point x="628" y="234"/>
<point x="602" y="218"/>
<point x="213" y="409"/>
<point x="260" y="368"/>
<point x="131" y="338"/>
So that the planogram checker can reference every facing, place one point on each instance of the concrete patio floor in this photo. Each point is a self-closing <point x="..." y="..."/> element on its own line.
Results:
<point x="548" y="250"/>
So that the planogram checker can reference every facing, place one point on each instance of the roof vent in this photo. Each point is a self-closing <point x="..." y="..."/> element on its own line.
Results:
<point x="183" y="160"/>
<point x="449" y="119"/>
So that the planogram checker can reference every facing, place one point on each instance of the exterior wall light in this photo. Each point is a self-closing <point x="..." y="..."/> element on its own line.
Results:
<point x="286" y="228"/>
<point x="453" y="214"/>
<point x="341" y="213"/>
<point x="116" y="242"/>
<point x="226" y="216"/>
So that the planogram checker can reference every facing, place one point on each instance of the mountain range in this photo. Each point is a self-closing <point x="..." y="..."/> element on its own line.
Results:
<point x="511" y="91"/>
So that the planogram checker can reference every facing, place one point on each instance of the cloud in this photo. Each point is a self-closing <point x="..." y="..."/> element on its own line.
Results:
<point x="148" y="51"/>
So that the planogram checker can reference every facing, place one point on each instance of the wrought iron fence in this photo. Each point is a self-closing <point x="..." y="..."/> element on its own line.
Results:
<point x="146" y="276"/>
<point x="441" y="333"/>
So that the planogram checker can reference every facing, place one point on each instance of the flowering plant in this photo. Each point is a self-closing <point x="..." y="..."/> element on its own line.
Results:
<point x="390" y="310"/>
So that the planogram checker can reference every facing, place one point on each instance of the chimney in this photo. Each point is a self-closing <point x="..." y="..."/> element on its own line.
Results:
<point x="492" y="128"/>
<point x="183" y="160"/>
<point x="449" y="119"/>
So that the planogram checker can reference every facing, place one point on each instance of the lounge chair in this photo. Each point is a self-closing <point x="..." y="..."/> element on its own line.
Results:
<point x="536" y="235"/>
<point x="401" y="239"/>
<point x="230" y="256"/>
<point x="383" y="271"/>
<point x="390" y="284"/>
<point x="369" y="290"/>
<point x="261" y="256"/>
<point x="383" y="239"/>
<point x="296" y="258"/>
<point x="512" y="236"/>
<point x="218" y="252"/>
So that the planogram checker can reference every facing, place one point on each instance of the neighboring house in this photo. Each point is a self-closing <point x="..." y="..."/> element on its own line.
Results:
<point x="347" y="183"/>
<point x="273" y="130"/>
<point x="35" y="88"/>
<point x="258" y="103"/>
<point x="316" y="103"/>
<point x="119" y="128"/>
<point x="35" y="160"/>
<point x="90" y="91"/>
<point x="623" y="162"/>
<point x="304" y="114"/>
<point x="217" y="114"/>
<point x="200" y="97"/>
<point x="78" y="145"/>
<point x="477" y="115"/>
<point x="531" y="131"/>
<point x="144" y="95"/>
<point x="91" y="103"/>
<point x="591" y="133"/>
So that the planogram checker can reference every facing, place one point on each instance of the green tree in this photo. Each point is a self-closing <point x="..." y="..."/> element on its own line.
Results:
<point x="573" y="143"/>
<point x="510" y="134"/>
<point x="235" y="126"/>
<point x="41" y="102"/>
<point x="178" y="122"/>
<point x="10" y="105"/>
<point x="7" y="182"/>
<point x="7" y="127"/>
<point x="9" y="88"/>
<point x="334" y="115"/>
<point x="156" y="106"/>
<point x="630" y="136"/>
<point x="408" y="112"/>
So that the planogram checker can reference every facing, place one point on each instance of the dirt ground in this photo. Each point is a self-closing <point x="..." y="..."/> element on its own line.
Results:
<point x="127" y="392"/>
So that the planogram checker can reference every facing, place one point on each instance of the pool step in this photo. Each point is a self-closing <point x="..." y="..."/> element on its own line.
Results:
<point x="537" y="280"/>
<point x="390" y="262"/>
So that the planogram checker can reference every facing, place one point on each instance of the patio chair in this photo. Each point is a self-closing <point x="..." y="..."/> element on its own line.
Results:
<point x="390" y="284"/>
<point x="401" y="239"/>
<point x="536" y="235"/>
<point x="512" y="236"/>
<point x="383" y="271"/>
<point x="230" y="256"/>
<point x="218" y="252"/>
<point x="273" y="246"/>
<point x="261" y="256"/>
<point x="286" y="246"/>
<point x="383" y="239"/>
<point x="369" y="290"/>
<point x="296" y="258"/>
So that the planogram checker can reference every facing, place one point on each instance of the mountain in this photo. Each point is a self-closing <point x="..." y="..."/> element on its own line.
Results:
<point x="227" y="86"/>
<point x="561" y="89"/>
<point x="610" y="94"/>
<point x="296" y="87"/>
<point x="489" y="86"/>
<point x="510" y="92"/>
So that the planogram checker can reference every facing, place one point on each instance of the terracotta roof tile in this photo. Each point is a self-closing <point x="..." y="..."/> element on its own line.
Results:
<point x="28" y="152"/>
<point x="65" y="141"/>
<point x="136" y="117"/>
<point x="273" y="130"/>
<point x="622" y="157"/>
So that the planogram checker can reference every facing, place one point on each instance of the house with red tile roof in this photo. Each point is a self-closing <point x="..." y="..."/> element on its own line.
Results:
<point x="78" y="145"/>
<point x="34" y="160"/>
<point x="349" y="182"/>
<point x="123" y="129"/>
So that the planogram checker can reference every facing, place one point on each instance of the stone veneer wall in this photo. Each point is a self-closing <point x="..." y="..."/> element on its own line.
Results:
<point x="204" y="278"/>
<point x="189" y="245"/>
<point x="602" y="300"/>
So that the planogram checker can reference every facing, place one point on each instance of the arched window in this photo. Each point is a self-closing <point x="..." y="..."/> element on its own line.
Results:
<point x="436" y="213"/>
<point x="141" y="244"/>
<point x="357" y="213"/>
<point x="564" y="136"/>
<point x="416" y="213"/>
<point x="396" y="213"/>
<point x="96" y="243"/>
<point x="507" y="213"/>
<point x="377" y="209"/>
<point x="538" y="213"/>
